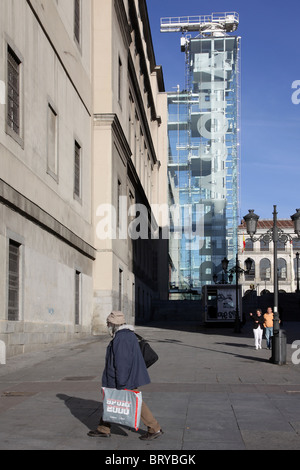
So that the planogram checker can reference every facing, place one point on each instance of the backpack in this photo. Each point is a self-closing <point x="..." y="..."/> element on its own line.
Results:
<point x="149" y="355"/>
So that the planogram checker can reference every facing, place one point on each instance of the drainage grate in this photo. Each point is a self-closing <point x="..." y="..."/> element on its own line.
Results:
<point x="17" y="394"/>
<point x="79" y="379"/>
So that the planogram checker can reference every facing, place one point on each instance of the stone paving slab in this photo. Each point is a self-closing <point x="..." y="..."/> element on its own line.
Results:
<point x="210" y="390"/>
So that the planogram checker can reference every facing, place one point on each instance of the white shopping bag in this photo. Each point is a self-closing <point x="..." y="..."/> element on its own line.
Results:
<point x="122" y="407"/>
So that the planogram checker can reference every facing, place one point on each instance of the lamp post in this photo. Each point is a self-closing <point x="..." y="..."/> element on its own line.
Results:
<point x="297" y="267"/>
<point x="237" y="270"/>
<point x="274" y="234"/>
<point x="224" y="268"/>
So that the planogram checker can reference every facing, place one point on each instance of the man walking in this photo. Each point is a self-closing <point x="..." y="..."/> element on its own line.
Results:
<point x="125" y="369"/>
<point x="268" y="324"/>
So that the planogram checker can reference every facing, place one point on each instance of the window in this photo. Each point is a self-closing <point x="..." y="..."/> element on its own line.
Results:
<point x="13" y="280"/>
<point x="251" y="275"/>
<point x="77" y="170"/>
<point x="265" y="269"/>
<point x="77" y="21"/>
<point x="296" y="244"/>
<point x="77" y="297"/>
<point x="119" y="194"/>
<point x="280" y="246"/>
<point x="120" y="71"/>
<point x="281" y="266"/>
<point x="13" y="92"/>
<point x="120" y="288"/>
<point x="249" y="245"/>
<point x="131" y="121"/>
<point x="297" y="268"/>
<point x="264" y="246"/>
<point x="52" y="143"/>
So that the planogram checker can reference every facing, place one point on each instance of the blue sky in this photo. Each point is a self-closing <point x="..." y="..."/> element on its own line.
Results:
<point x="270" y="130"/>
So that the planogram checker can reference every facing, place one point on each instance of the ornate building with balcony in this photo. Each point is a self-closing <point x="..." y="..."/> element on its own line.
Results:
<point x="261" y="275"/>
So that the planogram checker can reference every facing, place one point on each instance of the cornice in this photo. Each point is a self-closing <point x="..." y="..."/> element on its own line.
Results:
<point x="123" y="22"/>
<point x="143" y="60"/>
<point x="112" y="120"/>
<point x="32" y="212"/>
<point x="137" y="92"/>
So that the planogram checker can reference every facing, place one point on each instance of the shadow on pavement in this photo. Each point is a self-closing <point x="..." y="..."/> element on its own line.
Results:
<point x="89" y="413"/>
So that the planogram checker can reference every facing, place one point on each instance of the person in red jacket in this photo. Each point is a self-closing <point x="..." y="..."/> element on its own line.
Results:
<point x="125" y="369"/>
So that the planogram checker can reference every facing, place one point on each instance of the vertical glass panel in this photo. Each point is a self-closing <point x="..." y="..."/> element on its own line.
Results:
<point x="204" y="157"/>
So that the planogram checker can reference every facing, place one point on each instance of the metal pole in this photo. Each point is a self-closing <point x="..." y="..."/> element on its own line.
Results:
<point x="275" y="343"/>
<point x="297" y="267"/>
<point x="237" y="316"/>
<point x="275" y="240"/>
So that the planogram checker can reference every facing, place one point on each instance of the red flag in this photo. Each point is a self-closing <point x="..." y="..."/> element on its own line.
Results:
<point x="244" y="244"/>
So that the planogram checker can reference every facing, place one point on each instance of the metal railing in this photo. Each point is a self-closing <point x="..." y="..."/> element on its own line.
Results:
<point x="228" y="20"/>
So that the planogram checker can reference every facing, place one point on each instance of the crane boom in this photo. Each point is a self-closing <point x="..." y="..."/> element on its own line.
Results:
<point x="216" y="23"/>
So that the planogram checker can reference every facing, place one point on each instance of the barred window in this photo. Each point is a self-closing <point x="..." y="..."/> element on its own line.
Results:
<point x="77" y="20"/>
<point x="13" y="91"/>
<point x="77" y="297"/>
<point x="77" y="170"/>
<point x="120" y="289"/>
<point x="120" y="73"/>
<point x="13" y="280"/>
<point x="119" y="195"/>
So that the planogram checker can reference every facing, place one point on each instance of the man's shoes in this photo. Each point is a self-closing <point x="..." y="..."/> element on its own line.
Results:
<point x="97" y="433"/>
<point x="148" y="436"/>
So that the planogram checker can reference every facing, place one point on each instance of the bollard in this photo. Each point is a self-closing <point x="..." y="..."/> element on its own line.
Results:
<point x="279" y="348"/>
<point x="2" y="353"/>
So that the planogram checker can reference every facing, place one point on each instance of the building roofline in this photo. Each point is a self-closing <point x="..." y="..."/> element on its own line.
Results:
<point x="268" y="223"/>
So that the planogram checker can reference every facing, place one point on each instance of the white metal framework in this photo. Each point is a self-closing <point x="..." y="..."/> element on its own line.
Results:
<point x="214" y="24"/>
<point x="203" y="129"/>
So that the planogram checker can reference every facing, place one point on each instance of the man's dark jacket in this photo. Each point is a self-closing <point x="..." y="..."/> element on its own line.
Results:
<point x="124" y="364"/>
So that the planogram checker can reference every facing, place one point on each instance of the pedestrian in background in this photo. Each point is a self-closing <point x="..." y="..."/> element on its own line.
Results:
<point x="258" y="327"/>
<point x="268" y="324"/>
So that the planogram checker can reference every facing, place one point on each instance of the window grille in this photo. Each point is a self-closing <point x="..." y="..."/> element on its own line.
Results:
<point x="120" y="288"/>
<point x="77" y="164"/>
<point x="13" y="281"/>
<point x="13" y="91"/>
<point x="77" y="20"/>
<point x="77" y="297"/>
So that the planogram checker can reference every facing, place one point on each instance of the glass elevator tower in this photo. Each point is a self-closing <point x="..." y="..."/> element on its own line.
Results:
<point x="203" y="164"/>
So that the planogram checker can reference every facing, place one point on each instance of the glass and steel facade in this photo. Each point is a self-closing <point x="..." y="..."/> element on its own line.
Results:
<point x="203" y="166"/>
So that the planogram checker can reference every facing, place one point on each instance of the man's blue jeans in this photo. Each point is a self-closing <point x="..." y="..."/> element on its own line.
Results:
<point x="269" y="334"/>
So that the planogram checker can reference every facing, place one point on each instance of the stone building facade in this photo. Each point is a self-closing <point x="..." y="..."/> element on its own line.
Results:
<point x="81" y="125"/>
<point x="130" y="118"/>
<point x="261" y="276"/>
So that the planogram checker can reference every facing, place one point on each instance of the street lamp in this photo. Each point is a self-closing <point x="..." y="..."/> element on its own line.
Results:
<point x="224" y="264"/>
<point x="274" y="234"/>
<point x="237" y="270"/>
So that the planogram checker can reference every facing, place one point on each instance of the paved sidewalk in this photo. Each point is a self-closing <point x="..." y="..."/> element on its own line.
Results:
<point x="210" y="390"/>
